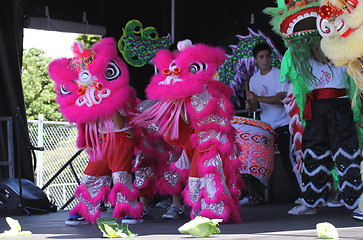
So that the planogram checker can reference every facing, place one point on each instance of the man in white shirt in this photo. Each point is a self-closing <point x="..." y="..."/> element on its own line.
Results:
<point x="267" y="90"/>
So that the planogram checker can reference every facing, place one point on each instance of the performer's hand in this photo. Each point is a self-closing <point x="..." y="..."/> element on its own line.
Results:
<point x="248" y="105"/>
<point x="251" y="96"/>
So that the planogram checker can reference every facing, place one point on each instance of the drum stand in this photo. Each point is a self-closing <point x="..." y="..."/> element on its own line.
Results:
<point x="254" y="196"/>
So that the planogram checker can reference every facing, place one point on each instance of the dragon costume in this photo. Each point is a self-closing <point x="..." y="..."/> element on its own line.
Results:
<point x="296" y="22"/>
<point x="194" y="111"/>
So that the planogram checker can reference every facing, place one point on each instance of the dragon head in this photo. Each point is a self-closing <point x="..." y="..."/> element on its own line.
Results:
<point x="138" y="45"/>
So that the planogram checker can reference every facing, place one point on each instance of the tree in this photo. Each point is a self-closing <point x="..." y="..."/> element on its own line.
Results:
<point x="38" y="88"/>
<point x="88" y="40"/>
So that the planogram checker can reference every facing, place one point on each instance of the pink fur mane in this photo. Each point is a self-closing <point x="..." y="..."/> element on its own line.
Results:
<point x="192" y="83"/>
<point x="64" y="75"/>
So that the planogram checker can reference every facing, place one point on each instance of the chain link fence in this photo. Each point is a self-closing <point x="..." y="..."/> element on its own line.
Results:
<point x="59" y="142"/>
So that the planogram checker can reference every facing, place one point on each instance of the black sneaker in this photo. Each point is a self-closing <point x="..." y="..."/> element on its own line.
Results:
<point x="75" y="220"/>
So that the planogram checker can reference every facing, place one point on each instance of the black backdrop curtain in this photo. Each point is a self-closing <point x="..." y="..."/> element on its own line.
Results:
<point x="216" y="23"/>
<point x="212" y="22"/>
<point x="11" y="93"/>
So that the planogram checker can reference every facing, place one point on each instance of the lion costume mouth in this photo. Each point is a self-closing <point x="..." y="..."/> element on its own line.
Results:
<point x="304" y="20"/>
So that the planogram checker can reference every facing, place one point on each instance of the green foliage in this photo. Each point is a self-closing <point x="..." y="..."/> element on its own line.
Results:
<point x="38" y="88"/>
<point x="88" y="40"/>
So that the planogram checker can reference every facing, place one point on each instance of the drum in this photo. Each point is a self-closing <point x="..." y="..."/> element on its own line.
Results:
<point x="257" y="141"/>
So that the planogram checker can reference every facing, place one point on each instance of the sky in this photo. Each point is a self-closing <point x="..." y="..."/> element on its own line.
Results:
<point x="54" y="44"/>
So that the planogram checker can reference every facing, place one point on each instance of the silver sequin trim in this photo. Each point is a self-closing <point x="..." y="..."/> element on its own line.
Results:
<point x="194" y="187"/>
<point x="124" y="178"/>
<point x="233" y="155"/>
<point x="213" y="119"/>
<point x="122" y="199"/>
<point x="210" y="185"/>
<point x="221" y="104"/>
<point x="142" y="174"/>
<point x="172" y="178"/>
<point x="94" y="184"/>
<point x="217" y="208"/>
<point x="91" y="208"/>
<point x="139" y="157"/>
<point x="200" y="101"/>
<point x="183" y="162"/>
<point x="217" y="162"/>
<point x="145" y="104"/>
<point x="208" y="135"/>
<point x="153" y="128"/>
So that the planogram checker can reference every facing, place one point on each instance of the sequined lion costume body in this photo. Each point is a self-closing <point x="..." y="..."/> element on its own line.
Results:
<point x="93" y="91"/>
<point x="194" y="111"/>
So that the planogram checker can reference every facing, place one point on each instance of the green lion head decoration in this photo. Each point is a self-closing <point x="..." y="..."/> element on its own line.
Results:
<point x="293" y="17"/>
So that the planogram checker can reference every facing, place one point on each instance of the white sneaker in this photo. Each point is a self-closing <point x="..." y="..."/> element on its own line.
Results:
<point x="334" y="203"/>
<point x="357" y="214"/>
<point x="298" y="201"/>
<point x="174" y="212"/>
<point x="243" y="201"/>
<point x="76" y="220"/>
<point x="163" y="204"/>
<point x="334" y="200"/>
<point x="302" y="210"/>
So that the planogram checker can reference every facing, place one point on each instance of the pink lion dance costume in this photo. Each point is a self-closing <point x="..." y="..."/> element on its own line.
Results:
<point x="91" y="88"/>
<point x="154" y="157"/>
<point x="195" y="112"/>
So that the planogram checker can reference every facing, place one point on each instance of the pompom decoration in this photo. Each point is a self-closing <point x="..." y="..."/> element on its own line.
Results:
<point x="326" y="11"/>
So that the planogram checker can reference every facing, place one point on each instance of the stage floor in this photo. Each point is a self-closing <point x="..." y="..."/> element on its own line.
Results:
<point x="266" y="221"/>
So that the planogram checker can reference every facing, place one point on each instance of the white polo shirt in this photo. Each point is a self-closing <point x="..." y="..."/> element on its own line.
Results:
<point x="268" y="85"/>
